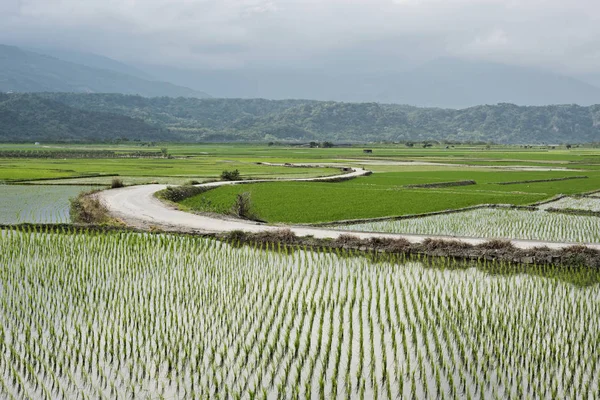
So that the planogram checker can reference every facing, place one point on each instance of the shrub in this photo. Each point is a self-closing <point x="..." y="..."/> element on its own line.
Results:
<point x="176" y="194"/>
<point x="116" y="183"/>
<point x="283" y="236"/>
<point x="348" y="240"/>
<point x="389" y="244"/>
<point x="497" y="244"/>
<point x="230" y="175"/>
<point x="86" y="209"/>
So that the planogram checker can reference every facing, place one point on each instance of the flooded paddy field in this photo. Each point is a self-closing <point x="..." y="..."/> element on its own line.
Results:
<point x="494" y="223"/>
<point x="37" y="203"/>
<point x="124" y="315"/>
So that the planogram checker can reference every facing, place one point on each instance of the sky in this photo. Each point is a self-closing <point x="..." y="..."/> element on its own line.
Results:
<point x="559" y="35"/>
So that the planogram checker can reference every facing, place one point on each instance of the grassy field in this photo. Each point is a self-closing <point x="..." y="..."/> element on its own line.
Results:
<point x="122" y="315"/>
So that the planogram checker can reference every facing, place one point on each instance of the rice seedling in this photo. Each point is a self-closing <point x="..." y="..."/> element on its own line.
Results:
<point x="117" y="315"/>
<point x="494" y="224"/>
<point x="574" y="203"/>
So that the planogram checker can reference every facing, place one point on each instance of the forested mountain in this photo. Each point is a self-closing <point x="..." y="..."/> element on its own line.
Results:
<point x="222" y="120"/>
<point x="28" y="118"/>
<point x="26" y="71"/>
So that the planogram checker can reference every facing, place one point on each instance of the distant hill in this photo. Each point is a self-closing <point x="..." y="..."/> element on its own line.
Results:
<point x="30" y="118"/>
<point x="259" y="120"/>
<point x="26" y="71"/>
<point x="445" y="82"/>
<point x="93" y="61"/>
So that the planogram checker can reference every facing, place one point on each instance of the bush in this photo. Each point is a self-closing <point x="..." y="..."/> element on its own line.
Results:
<point x="116" y="183"/>
<point x="346" y="239"/>
<point x="389" y="244"/>
<point x="230" y="175"/>
<point x="176" y="194"/>
<point x="497" y="244"/>
<point x="86" y="209"/>
<point x="283" y="236"/>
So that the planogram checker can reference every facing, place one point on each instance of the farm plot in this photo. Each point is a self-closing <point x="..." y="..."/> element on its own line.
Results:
<point x="36" y="203"/>
<point x="154" y="316"/>
<point x="494" y="223"/>
<point x="574" y="203"/>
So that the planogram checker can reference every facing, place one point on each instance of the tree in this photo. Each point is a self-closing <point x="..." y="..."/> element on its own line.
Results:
<point x="243" y="206"/>
<point x="230" y="175"/>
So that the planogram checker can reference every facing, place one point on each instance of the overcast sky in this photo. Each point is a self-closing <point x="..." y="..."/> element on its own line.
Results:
<point x="562" y="35"/>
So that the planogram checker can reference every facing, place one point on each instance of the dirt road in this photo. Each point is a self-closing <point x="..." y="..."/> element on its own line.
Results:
<point x="137" y="206"/>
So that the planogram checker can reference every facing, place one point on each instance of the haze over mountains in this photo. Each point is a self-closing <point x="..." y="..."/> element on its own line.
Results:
<point x="69" y="102"/>
<point x="443" y="82"/>
<point x="26" y="71"/>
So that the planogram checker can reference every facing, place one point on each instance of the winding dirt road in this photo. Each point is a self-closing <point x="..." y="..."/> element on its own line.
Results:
<point x="137" y="206"/>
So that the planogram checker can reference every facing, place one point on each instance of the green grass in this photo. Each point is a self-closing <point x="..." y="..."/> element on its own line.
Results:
<point x="383" y="194"/>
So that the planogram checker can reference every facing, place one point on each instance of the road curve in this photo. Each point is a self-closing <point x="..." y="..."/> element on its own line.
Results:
<point x="137" y="206"/>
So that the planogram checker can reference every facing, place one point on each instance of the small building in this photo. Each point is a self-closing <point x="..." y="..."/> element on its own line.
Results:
<point x="367" y="151"/>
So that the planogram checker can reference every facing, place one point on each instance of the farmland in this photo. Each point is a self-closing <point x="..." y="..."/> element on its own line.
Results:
<point x="158" y="316"/>
<point x="94" y="312"/>
<point x="494" y="224"/>
<point x="36" y="203"/>
<point x="386" y="193"/>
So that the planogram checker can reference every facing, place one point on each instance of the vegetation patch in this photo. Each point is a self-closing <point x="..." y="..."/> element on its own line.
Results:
<point x="442" y="184"/>
<point x="567" y="178"/>
<point x="88" y="209"/>
<point x="176" y="194"/>
<point x="116" y="183"/>
<point x="231" y="175"/>
<point x="574" y="211"/>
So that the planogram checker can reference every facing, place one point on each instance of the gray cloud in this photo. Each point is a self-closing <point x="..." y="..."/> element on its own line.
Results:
<point x="554" y="34"/>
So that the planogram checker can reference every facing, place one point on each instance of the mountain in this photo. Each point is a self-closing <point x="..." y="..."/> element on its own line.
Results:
<point x="26" y="71"/>
<point x="30" y="118"/>
<point x="445" y="82"/>
<point x="260" y="120"/>
<point x="591" y="78"/>
<point x="92" y="60"/>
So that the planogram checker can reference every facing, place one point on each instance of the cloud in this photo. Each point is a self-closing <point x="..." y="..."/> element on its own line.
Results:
<point x="230" y="33"/>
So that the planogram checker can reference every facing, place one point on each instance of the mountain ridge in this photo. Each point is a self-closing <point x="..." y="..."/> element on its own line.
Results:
<point x="26" y="71"/>
<point x="260" y="120"/>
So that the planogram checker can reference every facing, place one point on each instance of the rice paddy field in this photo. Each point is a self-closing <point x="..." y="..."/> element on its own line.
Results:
<point x="126" y="315"/>
<point x="574" y="203"/>
<point x="37" y="203"/>
<point x="389" y="193"/>
<point x="494" y="223"/>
